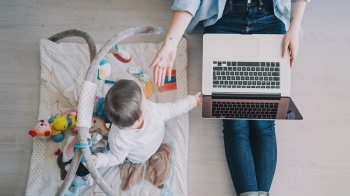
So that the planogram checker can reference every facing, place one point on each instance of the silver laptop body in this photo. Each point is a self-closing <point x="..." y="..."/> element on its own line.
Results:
<point x="247" y="72"/>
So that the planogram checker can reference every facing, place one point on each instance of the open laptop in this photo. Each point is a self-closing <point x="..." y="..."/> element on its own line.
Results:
<point x="245" y="77"/>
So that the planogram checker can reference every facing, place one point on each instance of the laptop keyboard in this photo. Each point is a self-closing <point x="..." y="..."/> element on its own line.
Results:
<point x="228" y="74"/>
<point x="244" y="110"/>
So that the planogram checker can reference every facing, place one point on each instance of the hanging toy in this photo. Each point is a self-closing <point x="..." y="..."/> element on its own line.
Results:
<point x="137" y="72"/>
<point x="120" y="54"/>
<point x="104" y="70"/>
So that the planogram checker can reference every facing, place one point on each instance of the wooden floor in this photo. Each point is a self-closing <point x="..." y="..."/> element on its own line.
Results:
<point x="313" y="155"/>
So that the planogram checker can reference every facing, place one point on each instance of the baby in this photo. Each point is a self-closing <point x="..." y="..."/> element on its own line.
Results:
<point x="138" y="124"/>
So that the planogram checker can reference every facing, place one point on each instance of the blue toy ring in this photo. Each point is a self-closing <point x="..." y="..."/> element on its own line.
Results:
<point x="76" y="145"/>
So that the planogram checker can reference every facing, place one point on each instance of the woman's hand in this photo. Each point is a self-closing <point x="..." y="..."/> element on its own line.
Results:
<point x="290" y="41"/>
<point x="163" y="63"/>
<point x="198" y="99"/>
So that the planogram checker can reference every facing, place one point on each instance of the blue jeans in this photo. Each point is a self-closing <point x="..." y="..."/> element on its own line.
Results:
<point x="250" y="146"/>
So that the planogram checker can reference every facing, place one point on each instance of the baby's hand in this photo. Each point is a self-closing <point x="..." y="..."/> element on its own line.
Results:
<point x="198" y="99"/>
<point x="94" y="159"/>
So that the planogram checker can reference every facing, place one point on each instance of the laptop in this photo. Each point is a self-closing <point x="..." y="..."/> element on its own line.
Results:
<point x="245" y="77"/>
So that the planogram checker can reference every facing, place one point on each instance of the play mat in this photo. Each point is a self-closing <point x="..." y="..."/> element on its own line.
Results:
<point x="65" y="67"/>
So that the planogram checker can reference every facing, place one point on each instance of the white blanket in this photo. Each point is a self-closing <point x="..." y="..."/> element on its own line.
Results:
<point x="64" y="65"/>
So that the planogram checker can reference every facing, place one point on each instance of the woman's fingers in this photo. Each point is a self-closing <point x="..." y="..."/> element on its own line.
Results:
<point x="155" y="61"/>
<point x="160" y="74"/>
<point x="163" y="76"/>
<point x="285" y="47"/>
<point x="155" y="74"/>
<point x="169" y="69"/>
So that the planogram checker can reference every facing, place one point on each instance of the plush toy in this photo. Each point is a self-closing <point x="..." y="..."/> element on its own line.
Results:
<point x="61" y="123"/>
<point x="58" y="124"/>
<point x="120" y="54"/>
<point x="98" y="143"/>
<point x="81" y="179"/>
<point x="72" y="120"/>
<point x="75" y="187"/>
<point x="41" y="129"/>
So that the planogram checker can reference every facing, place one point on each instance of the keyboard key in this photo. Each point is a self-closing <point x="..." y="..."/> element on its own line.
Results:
<point x="248" y="63"/>
<point x="276" y="78"/>
<point x="229" y="69"/>
<point x="225" y="68"/>
<point x="217" y="68"/>
<point x="223" y="62"/>
<point x="228" y="63"/>
<point x="277" y="64"/>
<point x="275" y="73"/>
<point x="215" y="62"/>
<point x="219" y="63"/>
<point x="215" y="82"/>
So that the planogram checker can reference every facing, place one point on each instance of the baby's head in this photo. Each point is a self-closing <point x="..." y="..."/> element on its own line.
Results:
<point x="124" y="103"/>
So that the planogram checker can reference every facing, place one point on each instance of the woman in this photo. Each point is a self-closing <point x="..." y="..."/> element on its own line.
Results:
<point x="250" y="146"/>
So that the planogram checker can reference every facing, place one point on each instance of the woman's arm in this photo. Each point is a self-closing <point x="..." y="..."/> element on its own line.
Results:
<point x="164" y="60"/>
<point x="291" y="38"/>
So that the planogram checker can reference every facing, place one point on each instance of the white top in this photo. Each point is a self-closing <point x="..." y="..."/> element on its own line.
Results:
<point x="138" y="145"/>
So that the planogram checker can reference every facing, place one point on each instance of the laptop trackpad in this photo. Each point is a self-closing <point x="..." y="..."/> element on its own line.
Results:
<point x="245" y="47"/>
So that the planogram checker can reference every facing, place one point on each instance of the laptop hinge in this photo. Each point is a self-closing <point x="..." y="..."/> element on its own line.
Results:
<point x="274" y="96"/>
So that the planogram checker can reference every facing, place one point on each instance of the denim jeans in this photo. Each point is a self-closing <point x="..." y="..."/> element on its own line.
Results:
<point x="250" y="146"/>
